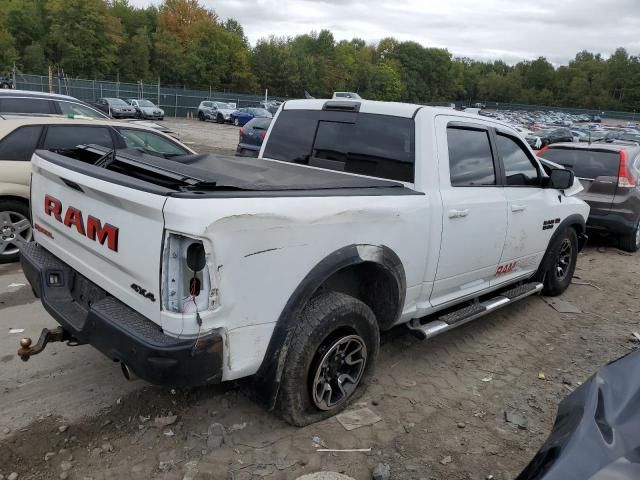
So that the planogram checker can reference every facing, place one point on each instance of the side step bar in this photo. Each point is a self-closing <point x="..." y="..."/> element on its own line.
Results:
<point x="471" y="312"/>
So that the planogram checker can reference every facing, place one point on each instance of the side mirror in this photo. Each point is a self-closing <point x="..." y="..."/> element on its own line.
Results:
<point x="560" y="179"/>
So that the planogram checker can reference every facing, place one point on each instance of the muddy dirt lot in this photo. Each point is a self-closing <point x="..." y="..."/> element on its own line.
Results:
<point x="69" y="413"/>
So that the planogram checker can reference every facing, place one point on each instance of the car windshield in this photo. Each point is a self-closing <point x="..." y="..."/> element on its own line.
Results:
<point x="117" y="102"/>
<point x="260" y="112"/>
<point x="145" y="103"/>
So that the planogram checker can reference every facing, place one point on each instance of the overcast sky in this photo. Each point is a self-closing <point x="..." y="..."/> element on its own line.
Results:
<point x="510" y="30"/>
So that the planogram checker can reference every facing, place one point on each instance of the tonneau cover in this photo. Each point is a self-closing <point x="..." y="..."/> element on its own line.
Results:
<point x="258" y="174"/>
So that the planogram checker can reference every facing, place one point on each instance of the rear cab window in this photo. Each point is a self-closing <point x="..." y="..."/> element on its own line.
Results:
<point x="586" y="164"/>
<point x="380" y="146"/>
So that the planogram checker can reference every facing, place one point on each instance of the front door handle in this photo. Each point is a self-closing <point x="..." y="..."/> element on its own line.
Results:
<point x="518" y="208"/>
<point x="458" y="213"/>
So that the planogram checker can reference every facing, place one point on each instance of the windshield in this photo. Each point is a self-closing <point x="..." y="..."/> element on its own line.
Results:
<point x="145" y="103"/>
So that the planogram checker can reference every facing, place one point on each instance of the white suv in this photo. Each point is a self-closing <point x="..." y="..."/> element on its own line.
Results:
<point x="20" y="136"/>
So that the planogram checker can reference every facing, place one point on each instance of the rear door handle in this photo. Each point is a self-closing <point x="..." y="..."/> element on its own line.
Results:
<point x="518" y="208"/>
<point x="458" y="213"/>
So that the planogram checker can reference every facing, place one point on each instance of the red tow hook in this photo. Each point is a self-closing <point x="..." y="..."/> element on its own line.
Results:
<point x="56" y="335"/>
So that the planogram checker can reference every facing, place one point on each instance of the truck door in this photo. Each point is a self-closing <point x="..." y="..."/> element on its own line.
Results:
<point x="474" y="220"/>
<point x="532" y="209"/>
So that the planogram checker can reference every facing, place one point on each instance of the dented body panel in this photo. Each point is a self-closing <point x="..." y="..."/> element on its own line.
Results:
<point x="267" y="251"/>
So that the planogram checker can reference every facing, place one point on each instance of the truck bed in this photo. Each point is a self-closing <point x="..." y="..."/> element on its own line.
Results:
<point x="211" y="174"/>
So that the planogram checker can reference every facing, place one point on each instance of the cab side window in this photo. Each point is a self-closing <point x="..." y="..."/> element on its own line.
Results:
<point x="519" y="168"/>
<point x="470" y="157"/>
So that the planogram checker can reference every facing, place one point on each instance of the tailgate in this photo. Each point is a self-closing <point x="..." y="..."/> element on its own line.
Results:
<point x="109" y="233"/>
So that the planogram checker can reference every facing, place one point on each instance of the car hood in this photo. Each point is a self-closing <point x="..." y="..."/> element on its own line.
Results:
<point x="150" y="109"/>
<point x="596" y="435"/>
<point x="226" y="111"/>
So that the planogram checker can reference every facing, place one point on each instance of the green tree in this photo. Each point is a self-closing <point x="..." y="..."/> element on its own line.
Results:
<point x="83" y="37"/>
<point x="8" y="53"/>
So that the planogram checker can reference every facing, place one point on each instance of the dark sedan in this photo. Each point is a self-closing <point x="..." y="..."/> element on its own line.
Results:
<point x="116" y="107"/>
<point x="251" y="137"/>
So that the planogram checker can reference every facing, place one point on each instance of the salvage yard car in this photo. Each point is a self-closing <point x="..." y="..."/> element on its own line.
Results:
<point x="218" y="111"/>
<point x="610" y="175"/>
<point x="36" y="103"/>
<point x="251" y="136"/>
<point x="146" y="109"/>
<point x="358" y="216"/>
<point x="20" y="136"/>
<point x="116" y="107"/>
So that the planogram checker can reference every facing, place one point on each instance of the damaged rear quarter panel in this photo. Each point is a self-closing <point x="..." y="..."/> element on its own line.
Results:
<point x="264" y="247"/>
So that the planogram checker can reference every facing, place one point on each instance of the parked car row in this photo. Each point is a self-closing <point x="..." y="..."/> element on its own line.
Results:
<point x="130" y="108"/>
<point x="222" y="112"/>
<point x="541" y="129"/>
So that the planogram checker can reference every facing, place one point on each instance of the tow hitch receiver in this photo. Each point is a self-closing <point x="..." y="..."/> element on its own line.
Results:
<point x="56" y="335"/>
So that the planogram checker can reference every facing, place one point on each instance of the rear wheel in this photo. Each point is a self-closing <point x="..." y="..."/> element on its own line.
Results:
<point x="14" y="228"/>
<point x="631" y="242"/>
<point x="331" y="357"/>
<point x="559" y="263"/>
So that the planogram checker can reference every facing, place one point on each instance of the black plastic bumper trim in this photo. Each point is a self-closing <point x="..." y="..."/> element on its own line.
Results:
<point x="93" y="316"/>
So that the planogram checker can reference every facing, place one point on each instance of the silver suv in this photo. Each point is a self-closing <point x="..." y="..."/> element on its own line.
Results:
<point x="218" y="111"/>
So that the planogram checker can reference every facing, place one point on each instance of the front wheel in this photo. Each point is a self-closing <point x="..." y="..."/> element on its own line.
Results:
<point x="559" y="263"/>
<point x="631" y="241"/>
<point x="201" y="116"/>
<point x="330" y="359"/>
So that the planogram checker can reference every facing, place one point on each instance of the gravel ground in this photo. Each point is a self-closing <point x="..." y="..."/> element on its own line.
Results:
<point x="205" y="137"/>
<point x="68" y="413"/>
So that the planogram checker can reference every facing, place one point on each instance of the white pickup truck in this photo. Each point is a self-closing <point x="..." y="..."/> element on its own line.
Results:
<point x="358" y="216"/>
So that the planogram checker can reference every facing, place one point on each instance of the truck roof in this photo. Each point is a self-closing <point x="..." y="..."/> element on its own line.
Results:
<point x="396" y="109"/>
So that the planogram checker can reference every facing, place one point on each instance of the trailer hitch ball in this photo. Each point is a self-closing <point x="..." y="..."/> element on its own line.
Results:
<point x="27" y="350"/>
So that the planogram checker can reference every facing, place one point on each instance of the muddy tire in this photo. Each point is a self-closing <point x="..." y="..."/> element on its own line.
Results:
<point x="330" y="360"/>
<point x="14" y="227"/>
<point x="630" y="242"/>
<point x="559" y="263"/>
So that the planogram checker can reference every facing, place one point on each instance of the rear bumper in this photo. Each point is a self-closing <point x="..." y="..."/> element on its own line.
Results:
<point x="247" y="150"/>
<point x="93" y="316"/>
<point x="613" y="222"/>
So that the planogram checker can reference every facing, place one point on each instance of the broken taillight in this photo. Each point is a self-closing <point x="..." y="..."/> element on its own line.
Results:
<point x="185" y="288"/>
<point x="625" y="179"/>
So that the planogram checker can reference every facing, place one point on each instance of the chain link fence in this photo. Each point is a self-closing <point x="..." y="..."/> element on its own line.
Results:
<point x="174" y="101"/>
<point x="177" y="102"/>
